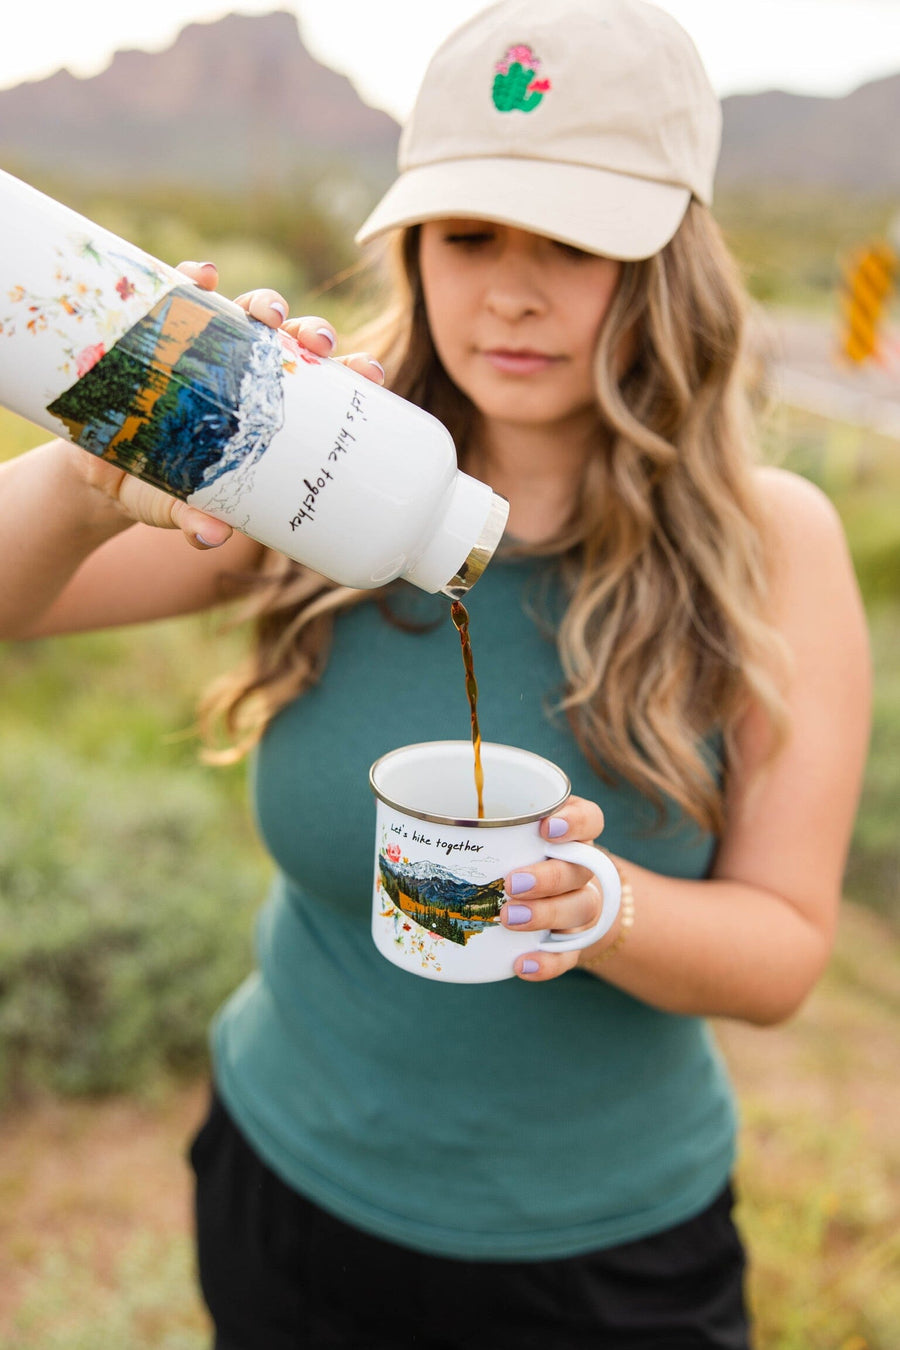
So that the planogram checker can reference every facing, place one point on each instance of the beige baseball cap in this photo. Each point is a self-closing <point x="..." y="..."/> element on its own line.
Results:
<point x="590" y="121"/>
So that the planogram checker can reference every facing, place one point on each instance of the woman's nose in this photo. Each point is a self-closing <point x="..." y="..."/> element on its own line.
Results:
<point x="514" y="291"/>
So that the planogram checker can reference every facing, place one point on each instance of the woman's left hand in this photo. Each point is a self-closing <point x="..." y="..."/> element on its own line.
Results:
<point x="555" y="894"/>
<point x="270" y="307"/>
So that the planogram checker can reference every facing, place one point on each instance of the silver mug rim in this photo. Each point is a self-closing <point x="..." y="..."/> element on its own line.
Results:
<point x="470" y="822"/>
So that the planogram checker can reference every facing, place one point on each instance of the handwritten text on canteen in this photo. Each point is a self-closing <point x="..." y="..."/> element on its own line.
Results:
<point x="341" y="442"/>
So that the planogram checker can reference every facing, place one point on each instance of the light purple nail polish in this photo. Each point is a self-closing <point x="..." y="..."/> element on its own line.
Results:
<point x="557" y="827"/>
<point x="326" y="333"/>
<point x="279" y="309"/>
<point x="530" y="967"/>
<point x="518" y="914"/>
<point x="377" y="365"/>
<point x="208" y="543"/>
<point x="520" y="882"/>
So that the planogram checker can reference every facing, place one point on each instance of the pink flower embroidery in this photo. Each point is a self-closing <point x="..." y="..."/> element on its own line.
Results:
<point x="521" y="53"/>
<point x="539" y="87"/>
<point x="88" y="358"/>
<point x="393" y="852"/>
<point x="524" y="55"/>
<point x="125" y="288"/>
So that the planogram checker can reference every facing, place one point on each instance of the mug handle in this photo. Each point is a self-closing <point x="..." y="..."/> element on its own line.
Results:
<point x="606" y="872"/>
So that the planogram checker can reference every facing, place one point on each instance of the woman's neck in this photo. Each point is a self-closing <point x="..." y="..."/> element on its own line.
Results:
<point x="538" y="470"/>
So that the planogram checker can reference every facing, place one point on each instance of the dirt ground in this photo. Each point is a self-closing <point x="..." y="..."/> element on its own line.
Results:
<point x="111" y="1167"/>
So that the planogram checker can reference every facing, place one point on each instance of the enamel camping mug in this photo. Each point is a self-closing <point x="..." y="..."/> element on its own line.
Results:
<point x="439" y="870"/>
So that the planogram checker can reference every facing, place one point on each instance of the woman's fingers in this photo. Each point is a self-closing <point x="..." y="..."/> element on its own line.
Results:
<point x="562" y="914"/>
<point x="314" y="332"/>
<point x="575" y="909"/>
<point x="202" y="531"/>
<point x="364" y="364"/>
<point x="206" y="274"/>
<point x="150" y="505"/>
<point x="577" y="819"/>
<point x="268" y="306"/>
<point x="318" y="335"/>
<point x="538" y="966"/>
<point x="554" y="894"/>
<point x="311" y="331"/>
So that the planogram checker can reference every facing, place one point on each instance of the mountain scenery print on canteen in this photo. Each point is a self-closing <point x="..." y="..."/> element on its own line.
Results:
<point x="188" y="394"/>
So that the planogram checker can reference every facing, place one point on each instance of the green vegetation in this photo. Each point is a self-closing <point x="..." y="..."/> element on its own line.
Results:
<point x="793" y="245"/>
<point x="297" y="241"/>
<point x="128" y="871"/>
<point x="860" y="472"/>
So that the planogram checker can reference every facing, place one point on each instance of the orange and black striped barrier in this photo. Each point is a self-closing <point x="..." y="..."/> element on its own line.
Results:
<point x="869" y="279"/>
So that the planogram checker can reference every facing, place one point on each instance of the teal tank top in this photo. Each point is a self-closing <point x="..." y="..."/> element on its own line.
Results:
<point x="497" y="1121"/>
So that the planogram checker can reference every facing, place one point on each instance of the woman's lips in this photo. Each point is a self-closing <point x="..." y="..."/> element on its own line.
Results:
<point x="519" y="363"/>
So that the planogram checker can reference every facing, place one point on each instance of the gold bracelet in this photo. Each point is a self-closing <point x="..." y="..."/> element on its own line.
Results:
<point x="626" y="921"/>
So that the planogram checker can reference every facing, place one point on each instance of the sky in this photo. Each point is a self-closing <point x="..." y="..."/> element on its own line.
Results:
<point x="825" y="47"/>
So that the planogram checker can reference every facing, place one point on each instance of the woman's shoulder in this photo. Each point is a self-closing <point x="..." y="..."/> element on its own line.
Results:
<point x="800" y="518"/>
<point x="806" y="547"/>
<point x="788" y="498"/>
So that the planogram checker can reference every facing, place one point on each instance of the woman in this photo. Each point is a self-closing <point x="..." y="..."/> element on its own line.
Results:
<point x="545" y="1161"/>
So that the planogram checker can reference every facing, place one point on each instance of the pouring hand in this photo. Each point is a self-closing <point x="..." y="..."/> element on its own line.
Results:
<point x="312" y="331"/>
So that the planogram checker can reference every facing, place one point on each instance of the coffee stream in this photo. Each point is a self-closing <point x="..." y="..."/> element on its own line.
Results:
<point x="460" y="616"/>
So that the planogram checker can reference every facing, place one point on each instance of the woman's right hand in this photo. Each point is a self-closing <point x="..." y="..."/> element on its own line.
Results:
<point x="137" y="501"/>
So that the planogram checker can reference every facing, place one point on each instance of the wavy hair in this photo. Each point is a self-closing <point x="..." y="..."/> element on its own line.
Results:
<point x="665" y="638"/>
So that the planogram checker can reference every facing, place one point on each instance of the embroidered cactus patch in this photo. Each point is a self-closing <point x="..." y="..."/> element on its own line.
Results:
<point x="516" y="84"/>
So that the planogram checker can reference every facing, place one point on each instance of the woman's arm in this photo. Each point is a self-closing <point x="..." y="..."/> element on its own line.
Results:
<point x="752" y="941"/>
<point x="73" y="558"/>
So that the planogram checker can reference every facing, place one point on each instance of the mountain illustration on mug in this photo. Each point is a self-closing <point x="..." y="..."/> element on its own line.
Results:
<point x="445" y="905"/>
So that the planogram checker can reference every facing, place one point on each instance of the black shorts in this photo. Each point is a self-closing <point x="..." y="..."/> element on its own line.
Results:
<point x="279" y="1273"/>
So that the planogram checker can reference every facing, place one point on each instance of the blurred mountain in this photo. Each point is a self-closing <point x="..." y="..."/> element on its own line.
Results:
<point x="241" y="104"/>
<point x="791" y="140"/>
<point x="235" y="104"/>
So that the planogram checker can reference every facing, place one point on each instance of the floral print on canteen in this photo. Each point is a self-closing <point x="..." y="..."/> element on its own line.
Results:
<point x="85" y="289"/>
<point x="516" y="86"/>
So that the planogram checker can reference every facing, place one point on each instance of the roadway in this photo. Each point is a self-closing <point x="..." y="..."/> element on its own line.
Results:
<point x="803" y="368"/>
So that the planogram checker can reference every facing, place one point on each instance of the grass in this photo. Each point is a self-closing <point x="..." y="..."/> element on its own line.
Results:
<point x="820" y="1164"/>
<point x="147" y="1299"/>
<point x="793" y="245"/>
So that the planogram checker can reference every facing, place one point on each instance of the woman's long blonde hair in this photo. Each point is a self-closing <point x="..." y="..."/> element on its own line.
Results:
<point x="665" y="637"/>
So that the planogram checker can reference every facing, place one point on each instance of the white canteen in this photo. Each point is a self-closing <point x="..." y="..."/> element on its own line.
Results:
<point x="123" y="355"/>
